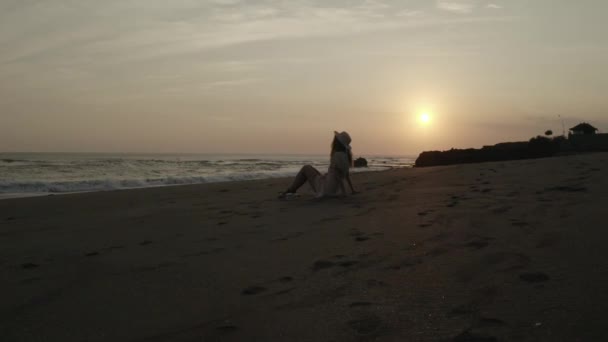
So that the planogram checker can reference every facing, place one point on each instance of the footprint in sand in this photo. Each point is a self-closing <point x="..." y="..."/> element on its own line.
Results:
<point x="282" y="292"/>
<point x="287" y="237"/>
<point x="30" y="280"/>
<point x="469" y="336"/>
<point x="490" y="322"/>
<point x="253" y="290"/>
<point x="359" y="304"/>
<point x="367" y="325"/>
<point x="228" y="328"/>
<point x="548" y="240"/>
<point x="392" y="198"/>
<point x="405" y="264"/>
<point x="366" y="212"/>
<point x="322" y="264"/>
<point x="111" y="248"/>
<point x="286" y="279"/>
<point x="424" y="213"/>
<point x="506" y="261"/>
<point x="329" y="219"/>
<point x="205" y="252"/>
<point x="348" y="263"/>
<point x="481" y="331"/>
<point x="502" y="209"/>
<point x="534" y="277"/>
<point x="478" y="243"/>
<point x="437" y="251"/>
<point x="29" y="265"/>
<point x="518" y="223"/>
<point x="566" y="188"/>
<point x="376" y="283"/>
<point x="462" y="310"/>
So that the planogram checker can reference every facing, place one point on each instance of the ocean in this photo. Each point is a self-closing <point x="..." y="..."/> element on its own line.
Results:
<point x="35" y="174"/>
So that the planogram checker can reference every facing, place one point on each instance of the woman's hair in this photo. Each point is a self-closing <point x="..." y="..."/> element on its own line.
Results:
<point x="336" y="146"/>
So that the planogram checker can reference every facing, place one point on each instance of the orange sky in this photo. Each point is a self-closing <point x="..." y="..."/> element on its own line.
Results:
<point x="279" y="77"/>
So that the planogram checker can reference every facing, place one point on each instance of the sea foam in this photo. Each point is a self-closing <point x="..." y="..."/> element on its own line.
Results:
<point x="28" y="174"/>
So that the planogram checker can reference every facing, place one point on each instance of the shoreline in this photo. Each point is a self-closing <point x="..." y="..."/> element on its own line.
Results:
<point x="8" y="196"/>
<point x="501" y="250"/>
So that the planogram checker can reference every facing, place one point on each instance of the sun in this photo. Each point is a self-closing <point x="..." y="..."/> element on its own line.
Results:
<point x="424" y="118"/>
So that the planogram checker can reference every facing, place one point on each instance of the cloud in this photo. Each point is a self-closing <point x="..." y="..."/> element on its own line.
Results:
<point x="493" y="6"/>
<point x="152" y="27"/>
<point x="409" y="13"/>
<point x="156" y="44"/>
<point x="462" y="7"/>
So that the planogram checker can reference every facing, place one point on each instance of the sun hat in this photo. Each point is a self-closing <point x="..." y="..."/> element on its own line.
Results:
<point x="343" y="138"/>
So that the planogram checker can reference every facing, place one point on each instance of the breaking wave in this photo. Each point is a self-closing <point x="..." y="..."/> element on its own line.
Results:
<point x="38" y="174"/>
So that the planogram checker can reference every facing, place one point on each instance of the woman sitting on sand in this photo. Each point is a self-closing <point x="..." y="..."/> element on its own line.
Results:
<point x="332" y="183"/>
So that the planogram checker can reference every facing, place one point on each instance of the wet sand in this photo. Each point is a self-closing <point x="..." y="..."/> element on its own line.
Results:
<point x="482" y="252"/>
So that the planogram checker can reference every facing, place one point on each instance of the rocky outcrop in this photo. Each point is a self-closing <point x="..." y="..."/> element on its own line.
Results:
<point x="360" y="162"/>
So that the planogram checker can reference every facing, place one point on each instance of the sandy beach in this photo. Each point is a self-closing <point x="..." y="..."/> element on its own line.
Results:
<point x="495" y="251"/>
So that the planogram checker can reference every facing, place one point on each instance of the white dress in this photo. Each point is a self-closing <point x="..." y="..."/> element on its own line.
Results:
<point x="330" y="184"/>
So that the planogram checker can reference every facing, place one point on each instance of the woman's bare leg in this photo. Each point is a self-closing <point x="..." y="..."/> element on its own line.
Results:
<point x="306" y="173"/>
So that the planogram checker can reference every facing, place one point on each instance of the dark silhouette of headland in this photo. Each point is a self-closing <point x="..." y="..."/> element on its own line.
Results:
<point x="581" y="138"/>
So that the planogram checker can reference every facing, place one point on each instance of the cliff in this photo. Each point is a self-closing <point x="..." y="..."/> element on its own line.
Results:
<point x="538" y="147"/>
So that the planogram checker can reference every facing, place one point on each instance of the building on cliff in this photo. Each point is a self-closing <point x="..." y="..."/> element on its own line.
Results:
<point x="583" y="137"/>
